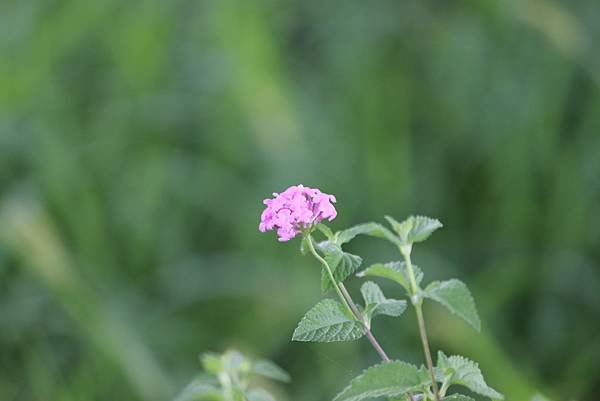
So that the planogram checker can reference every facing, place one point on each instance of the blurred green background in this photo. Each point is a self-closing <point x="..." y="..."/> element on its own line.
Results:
<point x="138" y="139"/>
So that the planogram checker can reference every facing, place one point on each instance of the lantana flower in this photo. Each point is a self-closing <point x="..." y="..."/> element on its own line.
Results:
<point x="296" y="209"/>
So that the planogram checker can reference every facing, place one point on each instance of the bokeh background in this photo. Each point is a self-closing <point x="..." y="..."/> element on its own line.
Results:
<point x="138" y="139"/>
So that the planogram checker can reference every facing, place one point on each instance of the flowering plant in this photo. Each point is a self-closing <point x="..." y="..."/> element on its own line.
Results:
<point x="301" y="211"/>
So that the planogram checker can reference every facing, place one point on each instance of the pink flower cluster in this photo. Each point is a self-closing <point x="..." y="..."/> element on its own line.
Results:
<point x="296" y="208"/>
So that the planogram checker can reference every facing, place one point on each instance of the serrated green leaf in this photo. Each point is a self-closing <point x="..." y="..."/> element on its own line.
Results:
<point x="328" y="321"/>
<point x="414" y="228"/>
<point x="391" y="307"/>
<point x="269" y="369"/>
<point x="389" y="379"/>
<point x="395" y="271"/>
<point x="458" y="397"/>
<point x="258" y="394"/>
<point x="422" y="228"/>
<point x="465" y="372"/>
<point x="425" y="377"/>
<point x="377" y="304"/>
<point x="455" y="296"/>
<point x="342" y="264"/>
<point x="371" y="293"/>
<point x="371" y="229"/>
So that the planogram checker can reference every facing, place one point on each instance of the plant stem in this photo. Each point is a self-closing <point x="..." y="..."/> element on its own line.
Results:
<point x="417" y="303"/>
<point x="347" y="300"/>
<point x="423" y="333"/>
<point x="369" y="334"/>
<point x="312" y="249"/>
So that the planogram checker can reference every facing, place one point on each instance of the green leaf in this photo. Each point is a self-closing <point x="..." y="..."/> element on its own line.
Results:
<point x="326" y="322"/>
<point x="342" y="264"/>
<point x="414" y="228"/>
<point x="389" y="379"/>
<point x="422" y="228"/>
<point x="465" y="372"/>
<point x="198" y="390"/>
<point x="211" y="362"/>
<point x="258" y="394"/>
<point x="377" y="304"/>
<point x="326" y="231"/>
<point x="455" y="296"/>
<point x="371" y="293"/>
<point x="402" y="229"/>
<point x="458" y="397"/>
<point x="269" y="369"/>
<point x="395" y="271"/>
<point x="371" y="229"/>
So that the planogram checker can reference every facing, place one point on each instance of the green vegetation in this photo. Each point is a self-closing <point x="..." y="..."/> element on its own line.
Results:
<point x="331" y="321"/>
<point x="137" y="139"/>
<point x="232" y="377"/>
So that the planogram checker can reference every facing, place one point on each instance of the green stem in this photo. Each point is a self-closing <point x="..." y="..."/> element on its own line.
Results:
<point x="312" y="249"/>
<point x="347" y="300"/>
<point x="417" y="303"/>
<point x="368" y="332"/>
<point x="423" y="333"/>
<point x="405" y="250"/>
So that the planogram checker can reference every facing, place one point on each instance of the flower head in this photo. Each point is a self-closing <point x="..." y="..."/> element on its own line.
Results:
<point x="295" y="209"/>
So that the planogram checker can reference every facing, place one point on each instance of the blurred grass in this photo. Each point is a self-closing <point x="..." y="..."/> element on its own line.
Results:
<point x="138" y="139"/>
<point x="36" y="243"/>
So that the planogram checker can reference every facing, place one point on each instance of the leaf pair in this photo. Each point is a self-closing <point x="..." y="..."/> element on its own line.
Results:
<point x="413" y="229"/>
<point x="330" y="321"/>
<point x="396" y="378"/>
<point x="453" y="294"/>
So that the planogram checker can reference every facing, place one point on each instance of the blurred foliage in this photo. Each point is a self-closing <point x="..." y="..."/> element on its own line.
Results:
<point x="137" y="140"/>
<point x="232" y="377"/>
